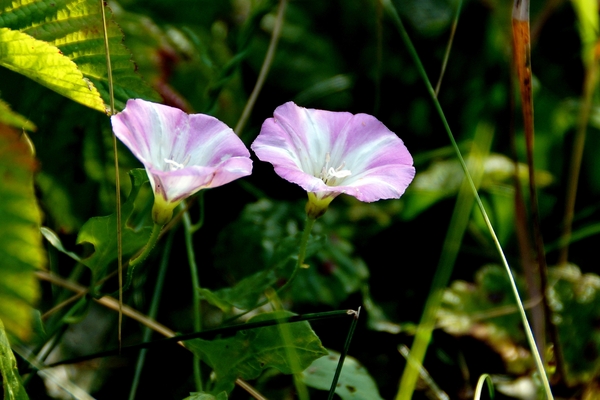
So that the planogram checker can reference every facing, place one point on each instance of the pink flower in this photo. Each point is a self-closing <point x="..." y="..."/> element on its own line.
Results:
<point x="328" y="153"/>
<point x="182" y="153"/>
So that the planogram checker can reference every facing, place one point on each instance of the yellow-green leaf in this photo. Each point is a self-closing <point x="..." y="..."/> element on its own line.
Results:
<point x="21" y="249"/>
<point x="46" y="65"/>
<point x="76" y="28"/>
<point x="11" y="381"/>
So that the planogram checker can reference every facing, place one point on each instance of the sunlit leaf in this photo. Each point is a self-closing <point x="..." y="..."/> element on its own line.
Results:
<point x="75" y="27"/>
<point x="587" y="12"/>
<point x="354" y="382"/>
<point x="45" y="64"/>
<point x="101" y="231"/>
<point x="21" y="249"/>
<point x="249" y="352"/>
<point x="11" y="381"/>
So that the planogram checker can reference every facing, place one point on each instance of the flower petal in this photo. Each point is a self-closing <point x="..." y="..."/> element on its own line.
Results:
<point x="182" y="153"/>
<point x="303" y="143"/>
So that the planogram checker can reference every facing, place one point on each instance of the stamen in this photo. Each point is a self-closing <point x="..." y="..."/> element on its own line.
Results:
<point x="330" y="174"/>
<point x="173" y="165"/>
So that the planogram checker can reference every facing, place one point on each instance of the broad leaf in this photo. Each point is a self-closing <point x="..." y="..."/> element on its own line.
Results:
<point x="11" y="381"/>
<point x="206" y="396"/>
<point x="249" y="352"/>
<point x="11" y="118"/>
<point x="46" y="65"/>
<point x="75" y="27"/>
<point x="21" y="249"/>
<point x="101" y="232"/>
<point x="354" y="382"/>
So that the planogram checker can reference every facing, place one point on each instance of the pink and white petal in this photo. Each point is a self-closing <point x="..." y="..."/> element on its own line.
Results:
<point x="145" y="128"/>
<point x="177" y="185"/>
<point x="383" y="182"/>
<point x="306" y="134"/>
<point x="230" y="170"/>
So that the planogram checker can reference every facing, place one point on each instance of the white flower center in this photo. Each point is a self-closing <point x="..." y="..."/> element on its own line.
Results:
<point x="173" y="165"/>
<point x="329" y="175"/>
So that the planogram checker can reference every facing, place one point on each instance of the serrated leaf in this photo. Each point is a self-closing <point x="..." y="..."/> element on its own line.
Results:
<point x="11" y="381"/>
<point x="101" y="231"/>
<point x="21" y="248"/>
<point x="16" y="120"/>
<point x="249" y="352"/>
<point x="354" y="382"/>
<point x="75" y="27"/>
<point x="45" y="64"/>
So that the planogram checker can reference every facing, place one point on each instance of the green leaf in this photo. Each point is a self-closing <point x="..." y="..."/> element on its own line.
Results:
<point x="354" y="383"/>
<point x="488" y="309"/>
<point x="45" y="64"/>
<point x="21" y="248"/>
<point x="101" y="231"/>
<point x="249" y="352"/>
<point x="75" y="27"/>
<point x="55" y="241"/>
<point x="13" y="388"/>
<point x="206" y="396"/>
<point x="244" y="295"/>
<point x="574" y="298"/>
<point x="11" y="118"/>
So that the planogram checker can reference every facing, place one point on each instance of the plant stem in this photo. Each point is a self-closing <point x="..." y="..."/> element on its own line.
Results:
<point x="187" y="224"/>
<point x="448" y="48"/>
<point x="338" y="369"/>
<point x="152" y="313"/>
<point x="264" y="70"/>
<point x="310" y="222"/>
<point x="154" y="236"/>
<point x="117" y="178"/>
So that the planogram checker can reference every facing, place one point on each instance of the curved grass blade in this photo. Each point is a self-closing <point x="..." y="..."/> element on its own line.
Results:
<point x="408" y="387"/>
<point x="483" y="379"/>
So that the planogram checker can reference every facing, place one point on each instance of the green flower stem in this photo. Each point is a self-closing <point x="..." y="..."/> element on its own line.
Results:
<point x="407" y="386"/>
<point x="152" y="313"/>
<point x="142" y="257"/>
<point x="187" y="225"/>
<point x="310" y="222"/>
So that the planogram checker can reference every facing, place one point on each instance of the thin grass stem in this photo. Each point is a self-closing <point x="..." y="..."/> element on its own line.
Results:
<point x="160" y="279"/>
<point x="111" y="93"/>
<point x="448" y="48"/>
<point x="189" y="246"/>
<point x="264" y="70"/>
<point x="340" y="365"/>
